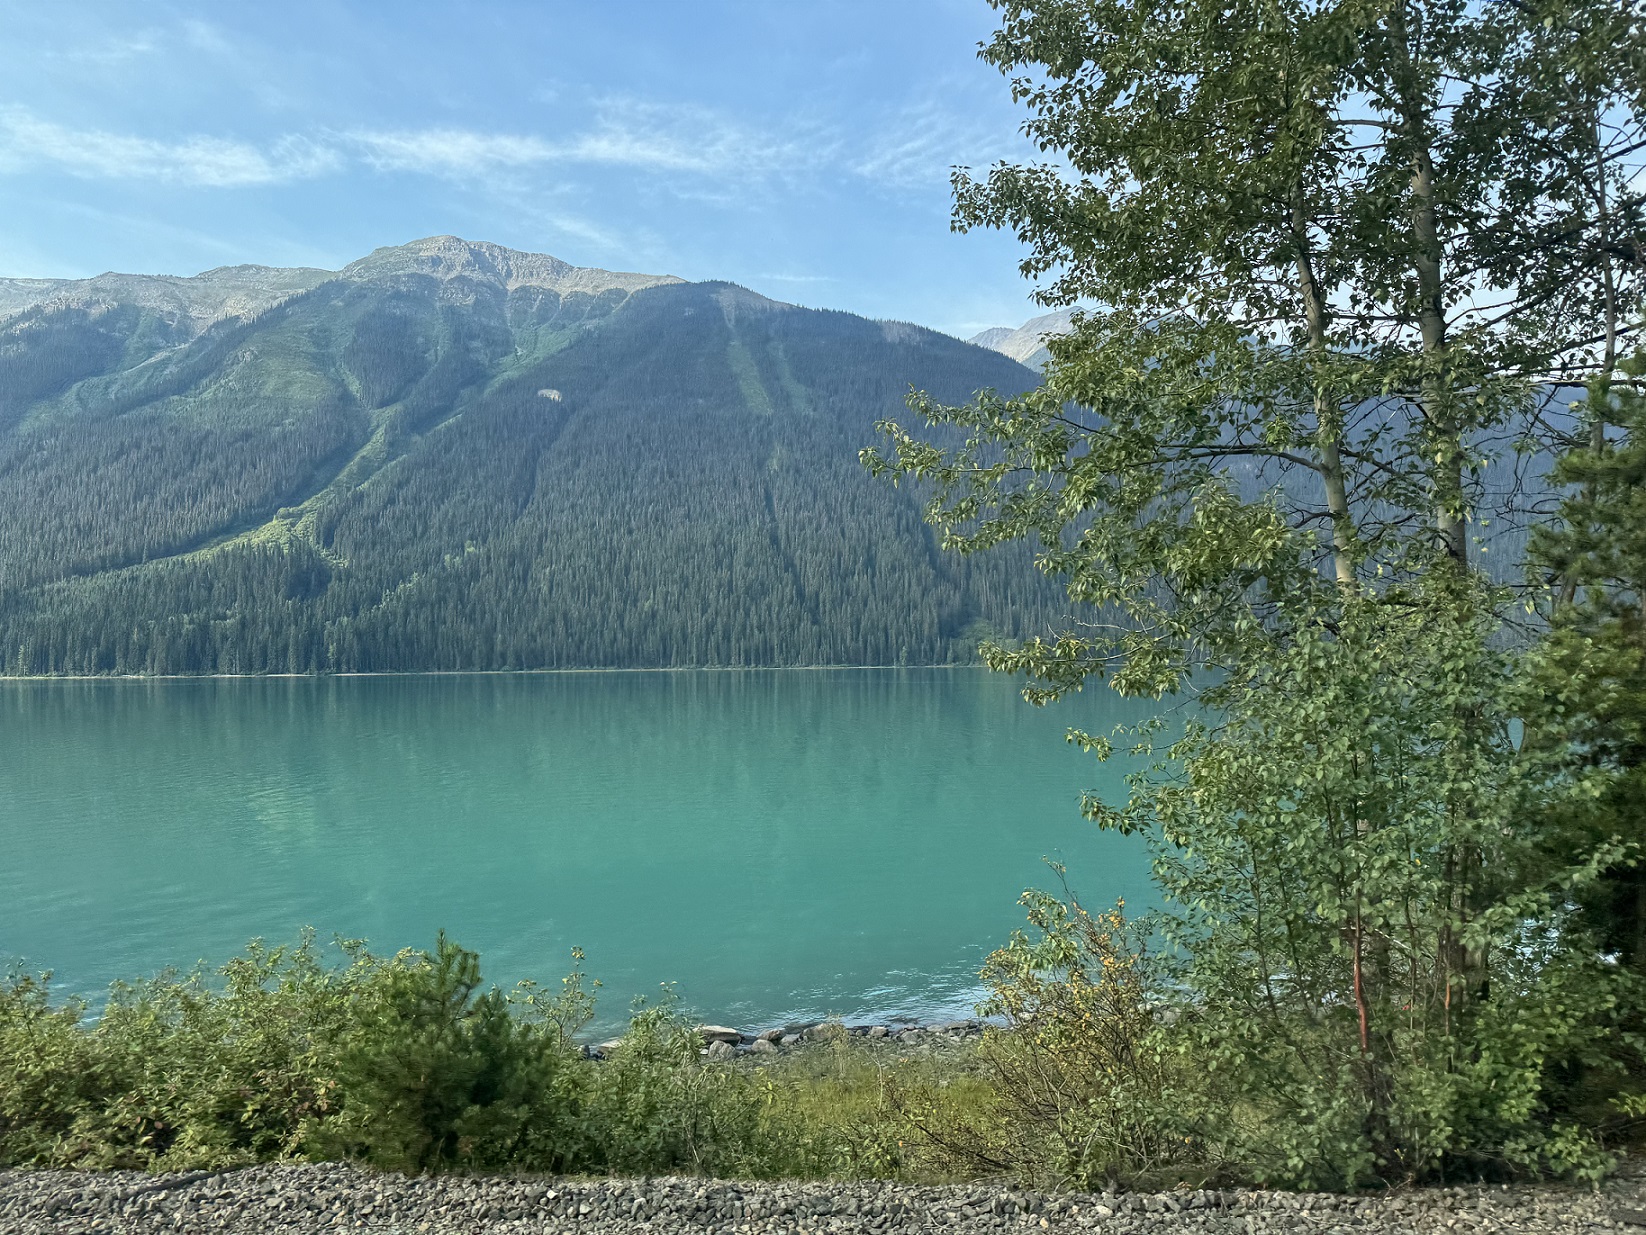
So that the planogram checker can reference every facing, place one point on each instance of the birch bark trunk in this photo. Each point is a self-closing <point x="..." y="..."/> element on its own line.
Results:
<point x="1328" y="413"/>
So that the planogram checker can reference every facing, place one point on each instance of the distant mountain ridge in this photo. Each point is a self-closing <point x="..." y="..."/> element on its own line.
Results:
<point x="1026" y="344"/>
<point x="1510" y="489"/>
<point x="244" y="291"/>
<point x="228" y="291"/>
<point x="453" y="455"/>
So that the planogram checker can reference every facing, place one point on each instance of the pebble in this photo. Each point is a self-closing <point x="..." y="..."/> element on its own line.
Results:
<point x="329" y="1197"/>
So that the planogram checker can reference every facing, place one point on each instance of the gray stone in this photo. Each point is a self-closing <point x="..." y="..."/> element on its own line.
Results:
<point x="304" y="1199"/>
<point x="764" y="1046"/>
<point x="720" y="1033"/>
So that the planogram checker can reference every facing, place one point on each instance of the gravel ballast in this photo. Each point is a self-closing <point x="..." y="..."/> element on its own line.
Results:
<point x="331" y="1197"/>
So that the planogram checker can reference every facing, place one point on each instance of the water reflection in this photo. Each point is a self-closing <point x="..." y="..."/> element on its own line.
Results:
<point x="776" y="842"/>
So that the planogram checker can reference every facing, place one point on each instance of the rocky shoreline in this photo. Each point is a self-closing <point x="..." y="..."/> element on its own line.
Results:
<point x="302" y="1199"/>
<point x="724" y="1042"/>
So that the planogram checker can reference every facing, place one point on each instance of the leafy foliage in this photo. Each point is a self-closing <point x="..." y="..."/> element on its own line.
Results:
<point x="1084" y="1090"/>
<point x="409" y="1063"/>
<point x="1587" y="702"/>
<point x="172" y="1072"/>
<point x="1376" y="940"/>
<point x="1339" y="253"/>
<point x="1316" y="234"/>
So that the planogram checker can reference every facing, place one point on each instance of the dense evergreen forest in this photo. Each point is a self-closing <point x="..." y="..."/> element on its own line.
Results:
<point x="429" y="463"/>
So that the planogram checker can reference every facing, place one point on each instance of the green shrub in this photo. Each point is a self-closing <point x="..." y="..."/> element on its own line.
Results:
<point x="173" y="1073"/>
<point x="401" y="1062"/>
<point x="846" y="1110"/>
<point x="407" y="1063"/>
<point x="654" y="1107"/>
<point x="47" y="1073"/>
<point x="436" y="1073"/>
<point x="1081" y="1087"/>
<point x="1111" y="1071"/>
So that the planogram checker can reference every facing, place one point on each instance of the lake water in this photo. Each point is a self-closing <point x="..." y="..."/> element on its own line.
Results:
<point x="778" y="844"/>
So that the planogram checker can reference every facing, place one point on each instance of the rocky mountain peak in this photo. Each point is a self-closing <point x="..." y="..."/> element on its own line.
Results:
<point x="195" y="301"/>
<point x="1026" y="344"/>
<point x="451" y="257"/>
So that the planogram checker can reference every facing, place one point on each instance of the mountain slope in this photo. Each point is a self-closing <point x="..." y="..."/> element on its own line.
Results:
<point x="455" y="456"/>
<point x="1026" y="344"/>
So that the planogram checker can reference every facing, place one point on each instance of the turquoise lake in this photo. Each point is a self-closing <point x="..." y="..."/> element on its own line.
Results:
<point x="778" y="844"/>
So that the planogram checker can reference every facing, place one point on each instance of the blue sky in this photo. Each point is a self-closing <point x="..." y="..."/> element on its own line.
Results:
<point x="799" y="147"/>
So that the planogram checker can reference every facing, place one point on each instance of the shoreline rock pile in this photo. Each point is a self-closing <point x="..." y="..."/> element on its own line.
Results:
<point x="724" y="1042"/>
<point x="302" y="1199"/>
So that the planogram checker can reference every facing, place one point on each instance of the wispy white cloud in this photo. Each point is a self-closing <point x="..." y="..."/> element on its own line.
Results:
<point x="28" y="141"/>
<point x="917" y="146"/>
<point x="204" y="37"/>
<point x="673" y="141"/>
<point x="626" y="133"/>
<point x="693" y="151"/>
<point x="586" y="230"/>
<point x="448" y="152"/>
<point x="106" y="51"/>
<point x="695" y="139"/>
<point x="800" y="278"/>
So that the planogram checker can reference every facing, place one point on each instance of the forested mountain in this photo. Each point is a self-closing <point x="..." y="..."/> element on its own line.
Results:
<point x="455" y="456"/>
